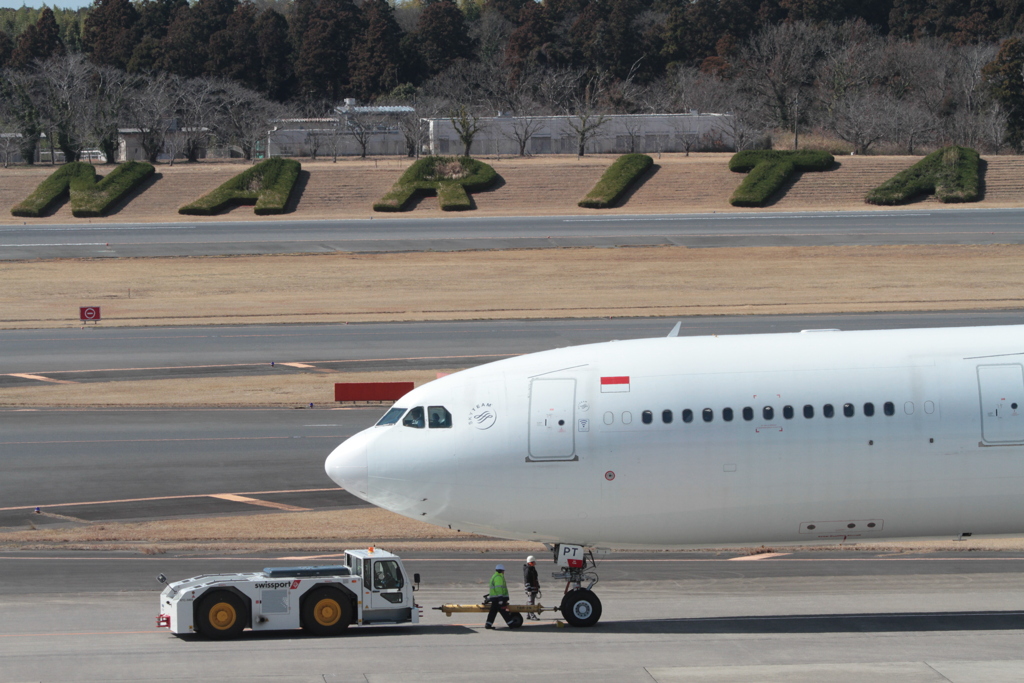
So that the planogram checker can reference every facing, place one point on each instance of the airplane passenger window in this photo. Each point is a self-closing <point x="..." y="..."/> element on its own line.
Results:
<point x="808" y="411"/>
<point x="666" y="416"/>
<point x="748" y="413"/>
<point x="609" y="418"/>
<point x="391" y="417"/>
<point x="869" y="409"/>
<point x="787" y="412"/>
<point x="848" y="409"/>
<point x="627" y="418"/>
<point x="708" y="415"/>
<point x="827" y="410"/>
<point x="647" y="417"/>
<point x="768" y="413"/>
<point x="889" y="408"/>
<point x="439" y="418"/>
<point x="414" y="418"/>
<point x="727" y="414"/>
<point x="687" y="416"/>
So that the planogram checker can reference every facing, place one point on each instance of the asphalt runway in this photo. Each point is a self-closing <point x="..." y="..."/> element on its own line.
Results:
<point x="95" y="353"/>
<point x="667" y="618"/>
<point x="911" y="225"/>
<point x="118" y="465"/>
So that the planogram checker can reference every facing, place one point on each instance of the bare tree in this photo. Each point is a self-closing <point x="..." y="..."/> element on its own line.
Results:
<point x="362" y="126"/>
<point x="466" y="124"/>
<point x="62" y="83"/>
<point x="634" y="127"/>
<point x="111" y="92"/>
<point x="863" y="117"/>
<point x="200" y="110"/>
<point x="521" y="129"/>
<point x="150" y="112"/>
<point x="778" y="65"/>
<point x="246" y="117"/>
<point x="17" y="94"/>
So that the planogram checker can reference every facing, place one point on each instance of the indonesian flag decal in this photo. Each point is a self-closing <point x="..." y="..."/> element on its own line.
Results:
<point x="614" y="385"/>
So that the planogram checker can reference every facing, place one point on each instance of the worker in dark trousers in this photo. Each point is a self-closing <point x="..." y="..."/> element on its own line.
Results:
<point x="498" y="597"/>
<point x="531" y="584"/>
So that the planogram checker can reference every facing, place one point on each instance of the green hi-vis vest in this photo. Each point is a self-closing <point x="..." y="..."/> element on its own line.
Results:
<point x="499" y="589"/>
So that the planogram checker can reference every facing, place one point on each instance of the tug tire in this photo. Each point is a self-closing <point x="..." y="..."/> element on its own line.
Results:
<point x="581" y="607"/>
<point x="517" y="620"/>
<point x="326" y="612"/>
<point x="221" y="615"/>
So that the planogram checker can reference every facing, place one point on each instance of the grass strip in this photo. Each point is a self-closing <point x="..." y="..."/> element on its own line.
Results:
<point x="89" y="198"/>
<point x="952" y="174"/>
<point x="450" y="178"/>
<point x="267" y="185"/>
<point x="768" y="170"/>
<point x="616" y="180"/>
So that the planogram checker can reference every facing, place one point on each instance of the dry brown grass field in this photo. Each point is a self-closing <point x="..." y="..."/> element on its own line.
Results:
<point x="549" y="185"/>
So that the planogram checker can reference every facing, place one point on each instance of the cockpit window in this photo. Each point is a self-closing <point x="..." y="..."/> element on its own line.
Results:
<point x="439" y="418"/>
<point x="414" y="418"/>
<point x="391" y="417"/>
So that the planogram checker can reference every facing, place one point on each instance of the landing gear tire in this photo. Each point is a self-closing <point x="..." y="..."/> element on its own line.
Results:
<point x="516" y="621"/>
<point x="580" y="607"/>
<point x="326" y="612"/>
<point x="221" y="615"/>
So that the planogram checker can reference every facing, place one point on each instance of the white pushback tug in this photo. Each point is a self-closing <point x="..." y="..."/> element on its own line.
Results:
<point x="372" y="587"/>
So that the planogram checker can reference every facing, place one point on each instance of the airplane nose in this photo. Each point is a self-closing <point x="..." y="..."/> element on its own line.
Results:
<point x="347" y="466"/>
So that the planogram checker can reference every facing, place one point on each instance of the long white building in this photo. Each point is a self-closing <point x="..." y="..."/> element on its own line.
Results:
<point x="612" y="134"/>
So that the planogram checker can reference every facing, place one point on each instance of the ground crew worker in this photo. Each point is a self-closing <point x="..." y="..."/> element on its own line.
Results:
<point x="498" y="597"/>
<point x="531" y="584"/>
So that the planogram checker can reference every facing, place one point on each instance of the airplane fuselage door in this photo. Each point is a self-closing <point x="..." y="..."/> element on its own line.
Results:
<point x="552" y="402"/>
<point x="1001" y="388"/>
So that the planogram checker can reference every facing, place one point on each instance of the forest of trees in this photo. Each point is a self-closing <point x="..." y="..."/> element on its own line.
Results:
<point x="892" y="75"/>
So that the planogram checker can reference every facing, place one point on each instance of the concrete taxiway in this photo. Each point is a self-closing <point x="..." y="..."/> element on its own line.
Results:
<point x="911" y="225"/>
<point x="667" y="618"/>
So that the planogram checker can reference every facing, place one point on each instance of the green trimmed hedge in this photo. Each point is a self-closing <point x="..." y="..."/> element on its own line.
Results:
<point x="616" y="180"/>
<point x="429" y="176"/>
<point x="89" y="199"/>
<point x="768" y="170"/>
<point x="268" y="185"/>
<point x="952" y="174"/>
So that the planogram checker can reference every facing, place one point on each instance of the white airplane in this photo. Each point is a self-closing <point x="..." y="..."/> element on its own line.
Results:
<point x="806" y="437"/>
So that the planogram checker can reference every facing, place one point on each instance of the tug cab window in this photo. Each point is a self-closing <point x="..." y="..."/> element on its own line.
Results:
<point x="387" y="575"/>
<point x="439" y="418"/>
<point x="391" y="417"/>
<point x="414" y="418"/>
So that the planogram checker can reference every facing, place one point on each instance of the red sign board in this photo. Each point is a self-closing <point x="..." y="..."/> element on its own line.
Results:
<point x="89" y="312"/>
<point x="371" y="391"/>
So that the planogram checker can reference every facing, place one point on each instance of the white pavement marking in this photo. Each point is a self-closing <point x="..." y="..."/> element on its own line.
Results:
<point x="40" y="378"/>
<point x="759" y="556"/>
<point x="253" y="501"/>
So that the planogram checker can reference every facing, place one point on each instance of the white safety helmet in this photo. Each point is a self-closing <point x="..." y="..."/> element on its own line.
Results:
<point x="530" y="559"/>
<point x="499" y="568"/>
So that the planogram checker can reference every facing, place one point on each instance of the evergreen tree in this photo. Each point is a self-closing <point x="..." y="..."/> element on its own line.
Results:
<point x="376" y="55"/>
<point x="510" y="9"/>
<point x="298" y="22"/>
<point x="231" y="52"/>
<point x="6" y="48"/>
<point x="39" y="41"/>
<point x="111" y="32"/>
<point x="322" y="65"/>
<point x="275" y="55"/>
<point x="1005" y="77"/>
<point x="442" y="35"/>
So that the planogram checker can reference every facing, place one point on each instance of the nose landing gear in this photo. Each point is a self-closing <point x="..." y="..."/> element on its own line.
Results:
<point x="580" y="606"/>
